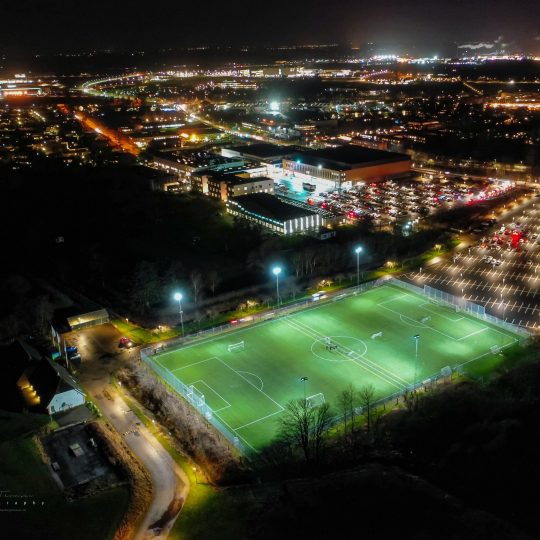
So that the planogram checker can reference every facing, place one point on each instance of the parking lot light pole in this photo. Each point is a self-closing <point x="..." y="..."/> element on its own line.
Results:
<point x="416" y="340"/>
<point x="358" y="250"/>
<point x="304" y="380"/>
<point x="178" y="297"/>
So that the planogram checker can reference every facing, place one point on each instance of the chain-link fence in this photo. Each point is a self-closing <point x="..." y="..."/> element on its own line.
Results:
<point x="194" y="397"/>
<point x="459" y="303"/>
<point x="197" y="399"/>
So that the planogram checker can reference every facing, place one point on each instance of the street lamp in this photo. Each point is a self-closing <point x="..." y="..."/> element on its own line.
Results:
<point x="358" y="250"/>
<point x="178" y="297"/>
<point x="304" y="379"/>
<point x="276" y="271"/>
<point x="416" y="340"/>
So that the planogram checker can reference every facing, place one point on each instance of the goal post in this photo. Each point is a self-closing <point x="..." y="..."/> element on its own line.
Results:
<point x="196" y="397"/>
<point x="316" y="400"/>
<point x="235" y="347"/>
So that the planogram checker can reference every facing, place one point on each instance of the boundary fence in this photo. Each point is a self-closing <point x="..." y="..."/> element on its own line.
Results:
<point x="459" y="303"/>
<point x="197" y="399"/>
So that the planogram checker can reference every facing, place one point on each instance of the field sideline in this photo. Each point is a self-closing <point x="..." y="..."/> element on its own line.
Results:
<point x="333" y="344"/>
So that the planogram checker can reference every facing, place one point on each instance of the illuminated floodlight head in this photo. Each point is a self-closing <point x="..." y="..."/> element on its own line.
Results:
<point x="319" y="166"/>
<point x="275" y="106"/>
<point x="358" y="250"/>
<point x="178" y="296"/>
<point x="276" y="270"/>
<point x="298" y="161"/>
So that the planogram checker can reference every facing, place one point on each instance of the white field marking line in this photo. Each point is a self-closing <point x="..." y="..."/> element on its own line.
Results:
<point x="217" y="394"/>
<point x="253" y="374"/>
<point x="212" y="338"/>
<point x="364" y="365"/>
<point x="416" y="325"/>
<point x="250" y="383"/>
<point x="383" y="373"/>
<point x="393" y="299"/>
<point x="222" y="421"/>
<point x="193" y="364"/>
<point x="440" y="314"/>
<point x="424" y="326"/>
<point x="235" y="432"/>
<point x="472" y="334"/>
<point x="258" y="420"/>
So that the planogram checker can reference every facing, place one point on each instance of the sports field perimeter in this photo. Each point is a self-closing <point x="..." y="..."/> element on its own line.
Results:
<point x="333" y="345"/>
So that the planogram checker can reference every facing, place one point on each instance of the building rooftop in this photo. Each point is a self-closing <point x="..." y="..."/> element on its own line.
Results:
<point x="264" y="150"/>
<point x="347" y="157"/>
<point x="199" y="158"/>
<point x="269" y="206"/>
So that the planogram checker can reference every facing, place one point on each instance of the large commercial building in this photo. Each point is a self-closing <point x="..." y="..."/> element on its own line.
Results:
<point x="184" y="163"/>
<point x="273" y="213"/>
<point x="225" y="186"/>
<point x="263" y="152"/>
<point x="348" y="165"/>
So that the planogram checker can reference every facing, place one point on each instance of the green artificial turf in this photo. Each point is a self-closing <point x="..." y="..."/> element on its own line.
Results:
<point x="248" y="389"/>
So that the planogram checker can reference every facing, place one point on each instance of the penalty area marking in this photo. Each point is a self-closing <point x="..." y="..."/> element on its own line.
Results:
<point x="253" y="375"/>
<point x="212" y="390"/>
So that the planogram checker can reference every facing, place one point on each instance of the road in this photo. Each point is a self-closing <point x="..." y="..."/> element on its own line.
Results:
<point x="100" y="358"/>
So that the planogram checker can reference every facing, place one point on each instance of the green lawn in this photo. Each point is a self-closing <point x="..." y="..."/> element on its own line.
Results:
<point x="43" y="512"/>
<point x="248" y="389"/>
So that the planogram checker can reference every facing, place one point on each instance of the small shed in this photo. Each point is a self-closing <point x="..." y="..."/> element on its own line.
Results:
<point x="86" y="320"/>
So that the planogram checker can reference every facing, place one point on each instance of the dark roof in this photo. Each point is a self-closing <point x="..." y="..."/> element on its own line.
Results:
<point x="264" y="150"/>
<point x="348" y="157"/>
<point x="271" y="207"/>
<point x="48" y="378"/>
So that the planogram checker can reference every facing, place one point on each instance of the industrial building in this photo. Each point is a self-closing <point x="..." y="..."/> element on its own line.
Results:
<point x="348" y="165"/>
<point x="273" y="213"/>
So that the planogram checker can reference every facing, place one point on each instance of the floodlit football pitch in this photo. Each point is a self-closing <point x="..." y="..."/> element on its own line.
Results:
<point x="333" y="344"/>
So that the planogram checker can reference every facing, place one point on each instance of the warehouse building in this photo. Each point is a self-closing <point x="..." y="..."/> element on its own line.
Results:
<point x="274" y="214"/>
<point x="347" y="165"/>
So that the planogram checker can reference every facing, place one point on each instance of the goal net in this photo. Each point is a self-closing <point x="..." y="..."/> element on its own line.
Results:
<point x="196" y="397"/>
<point x="236" y="347"/>
<point x="315" y="401"/>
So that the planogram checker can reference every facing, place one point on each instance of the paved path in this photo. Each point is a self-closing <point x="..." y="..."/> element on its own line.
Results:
<point x="100" y="358"/>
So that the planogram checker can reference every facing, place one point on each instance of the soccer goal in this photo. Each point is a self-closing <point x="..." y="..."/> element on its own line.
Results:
<point x="376" y="335"/>
<point x="196" y="397"/>
<point x="235" y="347"/>
<point x="315" y="400"/>
<point x="425" y="319"/>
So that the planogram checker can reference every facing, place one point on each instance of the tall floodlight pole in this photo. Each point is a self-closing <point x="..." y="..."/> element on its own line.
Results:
<point x="358" y="250"/>
<point x="276" y="271"/>
<point x="416" y="340"/>
<point x="304" y="379"/>
<point x="178" y="297"/>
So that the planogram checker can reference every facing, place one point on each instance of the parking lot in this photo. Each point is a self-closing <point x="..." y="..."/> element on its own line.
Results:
<point x="410" y="199"/>
<point x="497" y="267"/>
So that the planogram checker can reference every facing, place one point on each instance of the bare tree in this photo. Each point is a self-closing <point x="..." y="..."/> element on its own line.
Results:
<point x="347" y="400"/>
<point x="214" y="279"/>
<point x="197" y="284"/>
<point x="322" y="419"/>
<point x="295" y="425"/>
<point x="366" y="396"/>
<point x="304" y="427"/>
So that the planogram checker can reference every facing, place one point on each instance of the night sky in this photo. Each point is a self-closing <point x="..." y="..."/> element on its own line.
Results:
<point x="426" y="26"/>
